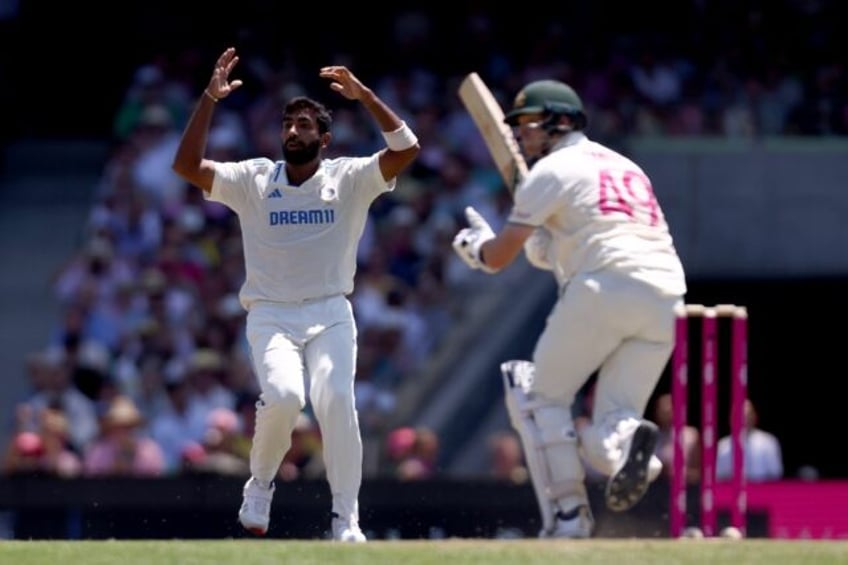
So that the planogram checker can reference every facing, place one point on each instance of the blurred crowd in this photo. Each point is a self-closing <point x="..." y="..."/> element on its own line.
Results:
<point x="146" y="371"/>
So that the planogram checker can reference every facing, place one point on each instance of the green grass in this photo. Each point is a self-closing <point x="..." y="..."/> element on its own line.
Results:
<point x="441" y="552"/>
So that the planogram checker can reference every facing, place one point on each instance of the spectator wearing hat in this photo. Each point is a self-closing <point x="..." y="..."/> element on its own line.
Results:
<point x="24" y="454"/>
<point x="421" y="463"/>
<point x="221" y="451"/>
<point x="412" y="453"/>
<point x="123" y="448"/>
<point x="42" y="449"/>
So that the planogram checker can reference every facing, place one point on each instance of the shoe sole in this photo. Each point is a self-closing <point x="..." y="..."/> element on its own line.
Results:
<point x="630" y="483"/>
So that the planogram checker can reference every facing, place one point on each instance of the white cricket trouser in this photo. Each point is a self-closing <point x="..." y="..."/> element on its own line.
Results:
<point x="608" y="322"/>
<point x="298" y="345"/>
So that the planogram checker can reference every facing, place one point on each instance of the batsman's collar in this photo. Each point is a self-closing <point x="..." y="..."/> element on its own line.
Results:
<point x="570" y="138"/>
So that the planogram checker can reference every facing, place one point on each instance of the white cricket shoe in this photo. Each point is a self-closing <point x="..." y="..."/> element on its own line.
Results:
<point x="255" y="511"/>
<point x="346" y="530"/>
<point x="629" y="483"/>
<point x="577" y="524"/>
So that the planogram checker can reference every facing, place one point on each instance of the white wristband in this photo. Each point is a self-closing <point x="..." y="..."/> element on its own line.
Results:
<point x="400" y="139"/>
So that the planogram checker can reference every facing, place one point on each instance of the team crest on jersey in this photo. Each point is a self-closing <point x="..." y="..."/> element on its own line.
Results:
<point x="329" y="194"/>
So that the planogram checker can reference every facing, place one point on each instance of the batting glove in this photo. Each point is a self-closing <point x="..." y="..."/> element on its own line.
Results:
<point x="537" y="249"/>
<point x="468" y="241"/>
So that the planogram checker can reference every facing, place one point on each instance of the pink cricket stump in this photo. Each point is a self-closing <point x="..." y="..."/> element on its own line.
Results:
<point x="739" y="392"/>
<point x="679" y="394"/>
<point x="709" y="398"/>
<point x="709" y="414"/>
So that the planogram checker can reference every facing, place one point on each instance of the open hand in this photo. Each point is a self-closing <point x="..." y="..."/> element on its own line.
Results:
<point x="220" y="85"/>
<point x="344" y="82"/>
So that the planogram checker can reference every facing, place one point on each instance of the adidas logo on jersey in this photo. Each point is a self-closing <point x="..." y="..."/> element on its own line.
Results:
<point x="275" y="193"/>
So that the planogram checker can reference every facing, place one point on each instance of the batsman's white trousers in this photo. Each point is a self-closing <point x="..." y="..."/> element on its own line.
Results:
<point x="295" y="346"/>
<point x="609" y="322"/>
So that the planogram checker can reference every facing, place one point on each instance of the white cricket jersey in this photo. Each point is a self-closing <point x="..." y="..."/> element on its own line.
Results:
<point x="602" y="214"/>
<point x="299" y="242"/>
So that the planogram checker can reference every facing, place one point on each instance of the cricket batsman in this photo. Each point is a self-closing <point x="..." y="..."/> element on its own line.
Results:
<point x="589" y="216"/>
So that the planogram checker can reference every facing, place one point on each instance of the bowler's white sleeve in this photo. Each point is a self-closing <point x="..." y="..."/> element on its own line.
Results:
<point x="369" y="177"/>
<point x="233" y="181"/>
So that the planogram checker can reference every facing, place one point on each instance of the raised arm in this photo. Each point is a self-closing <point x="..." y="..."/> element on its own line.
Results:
<point x="402" y="144"/>
<point x="188" y="160"/>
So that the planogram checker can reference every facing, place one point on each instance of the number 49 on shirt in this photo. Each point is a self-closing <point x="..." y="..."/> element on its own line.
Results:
<point x="628" y="192"/>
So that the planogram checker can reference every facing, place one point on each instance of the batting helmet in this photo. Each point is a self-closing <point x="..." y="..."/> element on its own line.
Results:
<point x="551" y="98"/>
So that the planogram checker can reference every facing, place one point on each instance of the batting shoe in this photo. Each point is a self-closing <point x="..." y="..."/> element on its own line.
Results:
<point x="629" y="483"/>
<point x="576" y="524"/>
<point x="255" y="511"/>
<point x="346" y="530"/>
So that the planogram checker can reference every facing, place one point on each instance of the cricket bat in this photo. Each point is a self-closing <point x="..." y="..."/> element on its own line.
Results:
<point x="488" y="116"/>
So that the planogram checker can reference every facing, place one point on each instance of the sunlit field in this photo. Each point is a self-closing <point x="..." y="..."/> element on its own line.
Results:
<point x="440" y="552"/>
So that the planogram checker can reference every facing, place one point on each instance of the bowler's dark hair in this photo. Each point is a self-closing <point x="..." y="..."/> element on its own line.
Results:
<point x="322" y="114"/>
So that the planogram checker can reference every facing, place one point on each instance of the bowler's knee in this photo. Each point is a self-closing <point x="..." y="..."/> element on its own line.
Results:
<point x="283" y="400"/>
<point x="334" y="395"/>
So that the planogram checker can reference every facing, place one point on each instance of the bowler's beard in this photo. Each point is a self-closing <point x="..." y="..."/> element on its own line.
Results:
<point x="301" y="155"/>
